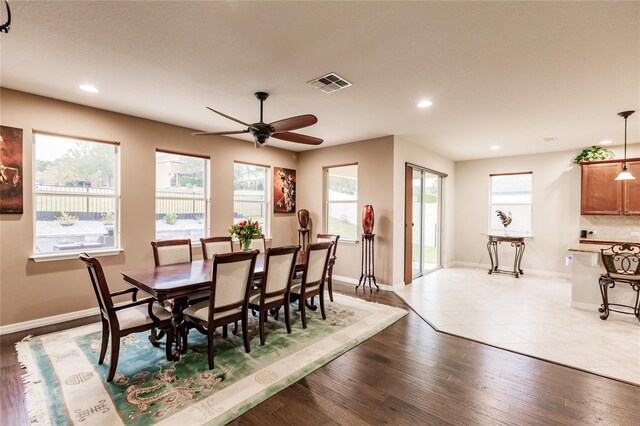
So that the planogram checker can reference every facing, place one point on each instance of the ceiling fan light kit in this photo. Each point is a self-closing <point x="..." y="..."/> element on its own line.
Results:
<point x="280" y="129"/>
<point x="625" y="174"/>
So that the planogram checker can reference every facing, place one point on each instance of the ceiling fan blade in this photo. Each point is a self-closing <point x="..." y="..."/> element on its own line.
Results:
<point x="293" y="123"/>
<point x="233" y="132"/>
<point x="231" y="118"/>
<point x="298" y="138"/>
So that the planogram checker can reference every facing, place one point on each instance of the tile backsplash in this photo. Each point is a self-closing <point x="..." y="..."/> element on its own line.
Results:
<point x="612" y="228"/>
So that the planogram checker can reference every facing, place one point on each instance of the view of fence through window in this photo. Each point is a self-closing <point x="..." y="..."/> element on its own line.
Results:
<point x="250" y="194"/>
<point x="342" y="201"/>
<point x="181" y="196"/>
<point x="75" y="194"/>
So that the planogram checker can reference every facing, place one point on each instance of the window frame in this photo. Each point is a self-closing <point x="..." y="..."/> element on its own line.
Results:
<point x="117" y="197"/>
<point x="268" y="189"/>
<point x="328" y="202"/>
<point x="492" y="210"/>
<point x="206" y="178"/>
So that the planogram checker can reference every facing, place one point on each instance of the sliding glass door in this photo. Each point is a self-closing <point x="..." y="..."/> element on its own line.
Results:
<point x="425" y="246"/>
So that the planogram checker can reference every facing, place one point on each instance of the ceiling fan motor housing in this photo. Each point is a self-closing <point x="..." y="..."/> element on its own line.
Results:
<point x="261" y="132"/>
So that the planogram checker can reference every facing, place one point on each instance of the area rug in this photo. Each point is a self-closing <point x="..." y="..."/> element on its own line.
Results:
<point x="65" y="385"/>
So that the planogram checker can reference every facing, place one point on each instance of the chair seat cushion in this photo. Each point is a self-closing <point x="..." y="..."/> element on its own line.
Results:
<point x="255" y="299"/>
<point x="297" y="288"/>
<point x="625" y="277"/>
<point x="201" y="311"/>
<point x="139" y="315"/>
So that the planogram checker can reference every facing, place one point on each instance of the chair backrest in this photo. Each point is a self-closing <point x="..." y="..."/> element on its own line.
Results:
<point x="622" y="260"/>
<point x="215" y="245"/>
<point x="231" y="279"/>
<point x="279" y="266"/>
<point x="259" y="243"/>
<point x="99" y="283"/>
<point x="315" y="269"/>
<point x="323" y="238"/>
<point x="169" y="252"/>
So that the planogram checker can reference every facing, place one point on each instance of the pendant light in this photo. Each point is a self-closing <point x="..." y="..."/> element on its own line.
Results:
<point x="624" y="174"/>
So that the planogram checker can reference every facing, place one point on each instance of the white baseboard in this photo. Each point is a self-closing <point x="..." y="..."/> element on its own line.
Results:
<point x="537" y="272"/>
<point x="41" y="322"/>
<point x="385" y="287"/>
<point x="585" y="306"/>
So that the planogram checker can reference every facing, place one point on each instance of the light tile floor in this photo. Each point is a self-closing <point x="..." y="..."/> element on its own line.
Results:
<point x="530" y="315"/>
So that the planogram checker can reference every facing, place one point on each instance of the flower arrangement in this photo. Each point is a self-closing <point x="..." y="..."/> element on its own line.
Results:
<point x="245" y="231"/>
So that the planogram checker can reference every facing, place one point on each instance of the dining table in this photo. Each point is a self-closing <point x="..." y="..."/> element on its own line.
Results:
<point x="175" y="283"/>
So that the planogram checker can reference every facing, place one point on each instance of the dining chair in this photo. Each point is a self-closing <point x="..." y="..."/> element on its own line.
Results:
<point x="312" y="282"/>
<point x="215" y="245"/>
<point x="279" y="265"/>
<point x="119" y="321"/>
<point x="323" y="238"/>
<point x="170" y="252"/>
<point x="622" y="266"/>
<point x="231" y="277"/>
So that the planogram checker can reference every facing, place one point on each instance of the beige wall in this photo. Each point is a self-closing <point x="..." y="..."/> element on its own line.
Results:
<point x="406" y="152"/>
<point x="556" y="208"/>
<point x="375" y="187"/>
<point x="31" y="290"/>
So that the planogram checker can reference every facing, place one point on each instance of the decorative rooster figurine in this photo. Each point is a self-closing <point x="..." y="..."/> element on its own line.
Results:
<point x="506" y="219"/>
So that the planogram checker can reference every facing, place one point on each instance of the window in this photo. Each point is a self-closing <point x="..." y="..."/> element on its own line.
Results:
<point x="181" y="196"/>
<point x="511" y="194"/>
<point x="250" y="194"/>
<point x="75" y="195"/>
<point x="341" y="216"/>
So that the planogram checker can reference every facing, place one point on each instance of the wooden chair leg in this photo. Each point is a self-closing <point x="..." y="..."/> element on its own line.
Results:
<point x="210" y="348"/>
<point x="235" y="327"/>
<point x="245" y="334"/>
<point x="263" y="313"/>
<point x="303" y="312"/>
<point x="115" y="353"/>
<point x="105" y="341"/>
<point x="287" y="316"/>
<point x="184" y="333"/>
<point x="330" y="283"/>
<point x="225" y="331"/>
<point x="321" y="297"/>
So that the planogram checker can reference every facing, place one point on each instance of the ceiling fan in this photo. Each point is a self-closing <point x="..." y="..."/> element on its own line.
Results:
<point x="280" y="129"/>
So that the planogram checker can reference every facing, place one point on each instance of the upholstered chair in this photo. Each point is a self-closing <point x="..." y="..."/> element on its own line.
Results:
<point x="231" y="279"/>
<point x="170" y="252"/>
<point x="215" y="245"/>
<point x="259" y="243"/>
<point x="323" y="238"/>
<point x="279" y="265"/>
<point x="119" y="321"/>
<point x="312" y="282"/>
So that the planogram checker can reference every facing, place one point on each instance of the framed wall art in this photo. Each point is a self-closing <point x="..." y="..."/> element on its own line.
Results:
<point x="284" y="190"/>
<point x="11" y="170"/>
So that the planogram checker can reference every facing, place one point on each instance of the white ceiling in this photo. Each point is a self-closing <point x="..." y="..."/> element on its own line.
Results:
<point x="502" y="73"/>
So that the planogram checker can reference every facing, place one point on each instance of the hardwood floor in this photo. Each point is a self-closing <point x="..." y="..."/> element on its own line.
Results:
<point x="411" y="374"/>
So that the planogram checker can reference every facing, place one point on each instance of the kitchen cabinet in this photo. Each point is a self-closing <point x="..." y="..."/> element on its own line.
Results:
<point x="601" y="194"/>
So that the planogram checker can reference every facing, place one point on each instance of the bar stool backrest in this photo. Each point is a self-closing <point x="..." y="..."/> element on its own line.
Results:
<point x="622" y="261"/>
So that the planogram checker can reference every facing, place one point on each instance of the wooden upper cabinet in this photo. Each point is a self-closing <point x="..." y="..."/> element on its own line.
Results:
<point x="631" y="189"/>
<point x="603" y="195"/>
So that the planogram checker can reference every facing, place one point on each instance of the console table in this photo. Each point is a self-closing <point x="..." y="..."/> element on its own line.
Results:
<point x="517" y="242"/>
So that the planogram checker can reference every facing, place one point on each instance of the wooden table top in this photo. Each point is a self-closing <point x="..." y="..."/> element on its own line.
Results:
<point x="182" y="279"/>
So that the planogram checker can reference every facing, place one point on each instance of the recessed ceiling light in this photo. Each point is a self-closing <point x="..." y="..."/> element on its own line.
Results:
<point x="494" y="147"/>
<point x="424" y="103"/>
<point x="89" y="88"/>
<point x="606" y="142"/>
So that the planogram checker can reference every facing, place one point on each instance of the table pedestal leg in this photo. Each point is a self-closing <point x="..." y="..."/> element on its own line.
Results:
<point x="176" y="321"/>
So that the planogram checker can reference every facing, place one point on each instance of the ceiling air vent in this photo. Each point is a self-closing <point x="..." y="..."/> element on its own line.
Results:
<point x="329" y="83"/>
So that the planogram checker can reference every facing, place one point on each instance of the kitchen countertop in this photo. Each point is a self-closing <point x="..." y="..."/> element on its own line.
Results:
<point x="593" y="246"/>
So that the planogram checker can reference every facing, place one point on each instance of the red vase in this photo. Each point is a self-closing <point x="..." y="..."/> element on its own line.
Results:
<point x="367" y="219"/>
<point x="303" y="218"/>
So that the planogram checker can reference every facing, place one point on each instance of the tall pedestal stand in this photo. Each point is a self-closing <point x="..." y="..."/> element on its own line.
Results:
<point x="367" y="267"/>
<point x="303" y="238"/>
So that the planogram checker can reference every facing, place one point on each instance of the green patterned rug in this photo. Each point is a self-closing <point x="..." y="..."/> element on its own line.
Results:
<point x="65" y="385"/>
